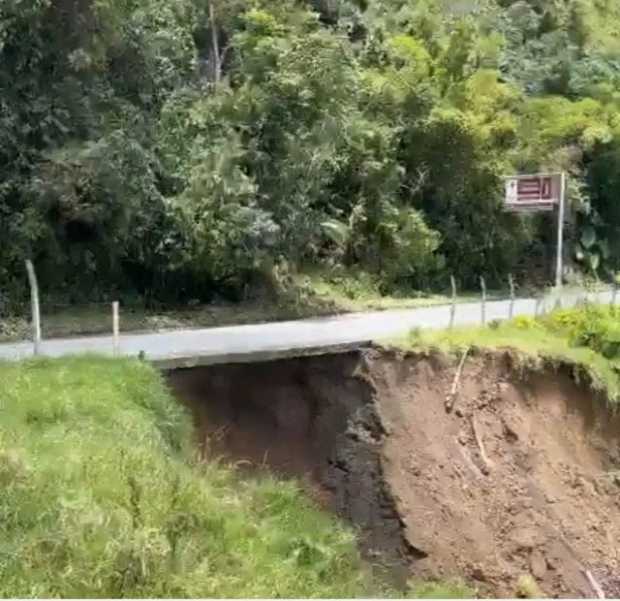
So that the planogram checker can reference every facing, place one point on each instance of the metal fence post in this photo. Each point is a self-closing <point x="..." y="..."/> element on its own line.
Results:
<point x="116" y="329"/>
<point x="483" y="306"/>
<point x="34" y="302"/>
<point x="453" y="306"/>
<point x="559" y="269"/>
<point x="511" y="307"/>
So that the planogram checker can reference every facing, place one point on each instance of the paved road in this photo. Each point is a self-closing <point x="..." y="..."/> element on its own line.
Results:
<point x="270" y="340"/>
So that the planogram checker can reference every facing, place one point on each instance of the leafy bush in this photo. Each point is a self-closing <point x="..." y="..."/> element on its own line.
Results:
<point x="595" y="327"/>
<point x="599" y="330"/>
<point x="525" y="322"/>
<point x="408" y="247"/>
<point x="565" y="321"/>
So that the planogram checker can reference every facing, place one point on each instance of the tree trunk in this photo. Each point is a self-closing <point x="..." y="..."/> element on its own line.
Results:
<point x="215" y="46"/>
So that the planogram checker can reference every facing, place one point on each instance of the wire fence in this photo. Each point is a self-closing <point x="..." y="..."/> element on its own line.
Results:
<point x="64" y="320"/>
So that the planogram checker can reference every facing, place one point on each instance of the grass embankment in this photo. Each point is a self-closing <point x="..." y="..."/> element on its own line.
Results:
<point x="101" y="495"/>
<point x="589" y="337"/>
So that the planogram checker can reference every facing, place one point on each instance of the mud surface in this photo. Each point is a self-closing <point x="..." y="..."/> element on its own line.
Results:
<point x="518" y="475"/>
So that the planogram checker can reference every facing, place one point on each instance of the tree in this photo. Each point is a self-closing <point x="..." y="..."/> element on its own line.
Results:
<point x="180" y="149"/>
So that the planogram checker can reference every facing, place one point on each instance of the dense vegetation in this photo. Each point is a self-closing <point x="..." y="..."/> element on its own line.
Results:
<point x="184" y="149"/>
<point x="100" y="497"/>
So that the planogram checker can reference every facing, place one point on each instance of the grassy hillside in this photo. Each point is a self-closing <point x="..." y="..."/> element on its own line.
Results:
<point x="100" y="497"/>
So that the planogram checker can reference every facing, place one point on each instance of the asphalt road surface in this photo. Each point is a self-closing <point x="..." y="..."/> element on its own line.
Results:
<point x="271" y="340"/>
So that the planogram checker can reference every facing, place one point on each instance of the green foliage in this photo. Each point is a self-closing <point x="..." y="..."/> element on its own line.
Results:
<point x="180" y="150"/>
<point x="229" y="233"/>
<point x="588" y="336"/>
<point x="565" y="321"/>
<point x="101" y="498"/>
<point x="527" y="588"/>
<point x="599" y="329"/>
<point x="524" y="322"/>
<point x="440" y="590"/>
<point x="408" y="246"/>
<point x="594" y="326"/>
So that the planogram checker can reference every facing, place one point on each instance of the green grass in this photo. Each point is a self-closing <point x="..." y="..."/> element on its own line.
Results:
<point x="100" y="496"/>
<point x="356" y="290"/>
<point x="568" y="335"/>
<point x="453" y="589"/>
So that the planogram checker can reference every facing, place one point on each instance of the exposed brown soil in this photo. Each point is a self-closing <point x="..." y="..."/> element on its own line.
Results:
<point x="520" y="477"/>
<point x="314" y="419"/>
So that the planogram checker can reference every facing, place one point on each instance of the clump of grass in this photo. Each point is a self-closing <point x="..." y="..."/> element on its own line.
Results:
<point x="527" y="588"/>
<point x="100" y="497"/>
<point x="452" y="589"/>
<point x="589" y="337"/>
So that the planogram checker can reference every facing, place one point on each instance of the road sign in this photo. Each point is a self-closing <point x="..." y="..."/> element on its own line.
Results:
<point x="536" y="193"/>
<point x="532" y="193"/>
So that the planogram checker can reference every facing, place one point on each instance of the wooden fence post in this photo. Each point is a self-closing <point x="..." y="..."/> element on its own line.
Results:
<point x="35" y="307"/>
<point x="116" y="329"/>
<point x="453" y="306"/>
<point x="483" y="306"/>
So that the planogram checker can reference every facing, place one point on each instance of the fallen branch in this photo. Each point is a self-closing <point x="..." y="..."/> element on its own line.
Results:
<point x="451" y="398"/>
<point x="596" y="587"/>
<point x="483" y="454"/>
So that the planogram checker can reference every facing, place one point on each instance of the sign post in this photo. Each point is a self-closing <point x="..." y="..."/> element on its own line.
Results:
<point x="559" y="269"/>
<point x="540" y="193"/>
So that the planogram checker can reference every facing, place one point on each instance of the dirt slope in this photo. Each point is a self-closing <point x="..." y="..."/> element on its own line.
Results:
<point x="517" y="479"/>
<point x="520" y="477"/>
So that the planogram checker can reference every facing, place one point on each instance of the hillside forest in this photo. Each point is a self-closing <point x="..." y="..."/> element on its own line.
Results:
<point x="194" y="149"/>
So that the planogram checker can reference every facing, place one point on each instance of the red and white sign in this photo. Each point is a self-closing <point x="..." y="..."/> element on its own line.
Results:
<point x="533" y="192"/>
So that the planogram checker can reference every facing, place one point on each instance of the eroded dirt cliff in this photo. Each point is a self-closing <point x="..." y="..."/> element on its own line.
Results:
<point x="517" y="474"/>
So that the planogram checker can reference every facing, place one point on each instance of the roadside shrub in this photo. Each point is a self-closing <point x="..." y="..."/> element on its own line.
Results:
<point x="594" y="327"/>
<point x="599" y="330"/>
<point x="564" y="321"/>
<point x="524" y="322"/>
